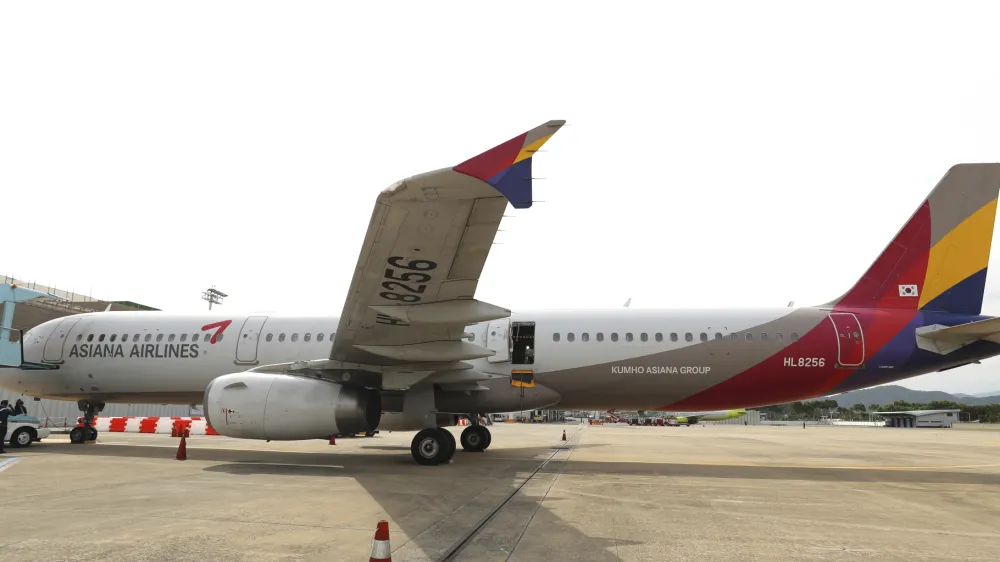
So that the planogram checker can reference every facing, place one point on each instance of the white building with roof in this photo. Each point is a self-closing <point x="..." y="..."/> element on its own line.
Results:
<point x="920" y="418"/>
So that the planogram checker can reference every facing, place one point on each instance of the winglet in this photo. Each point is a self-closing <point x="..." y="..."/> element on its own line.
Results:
<point x="507" y="167"/>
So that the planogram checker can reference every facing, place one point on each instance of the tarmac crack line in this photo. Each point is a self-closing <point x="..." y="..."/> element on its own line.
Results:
<point x="454" y="550"/>
<point x="538" y="506"/>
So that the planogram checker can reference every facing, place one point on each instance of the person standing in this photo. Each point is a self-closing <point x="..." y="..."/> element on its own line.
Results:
<point x="19" y="409"/>
<point x="5" y="412"/>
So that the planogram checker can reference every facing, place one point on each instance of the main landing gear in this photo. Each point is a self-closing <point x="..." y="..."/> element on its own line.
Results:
<point x="86" y="433"/>
<point x="437" y="445"/>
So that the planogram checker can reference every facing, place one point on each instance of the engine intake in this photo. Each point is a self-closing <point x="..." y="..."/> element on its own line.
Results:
<point x="288" y="408"/>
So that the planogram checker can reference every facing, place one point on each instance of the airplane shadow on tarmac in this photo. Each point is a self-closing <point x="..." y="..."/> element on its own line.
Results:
<point x="455" y="497"/>
<point x="437" y="506"/>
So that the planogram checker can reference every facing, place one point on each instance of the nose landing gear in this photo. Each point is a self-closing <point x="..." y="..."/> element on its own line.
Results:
<point x="88" y="432"/>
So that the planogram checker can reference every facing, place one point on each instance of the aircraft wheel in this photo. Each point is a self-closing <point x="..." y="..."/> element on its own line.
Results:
<point x="475" y="438"/>
<point x="452" y="446"/>
<point x="432" y="447"/>
<point x="489" y="438"/>
<point x="91" y="434"/>
<point x="77" y="436"/>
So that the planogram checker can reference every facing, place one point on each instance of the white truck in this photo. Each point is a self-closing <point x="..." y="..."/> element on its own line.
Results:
<point x="24" y="430"/>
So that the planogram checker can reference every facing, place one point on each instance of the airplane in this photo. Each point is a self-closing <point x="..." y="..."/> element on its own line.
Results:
<point x="688" y="418"/>
<point x="691" y="418"/>
<point x="413" y="348"/>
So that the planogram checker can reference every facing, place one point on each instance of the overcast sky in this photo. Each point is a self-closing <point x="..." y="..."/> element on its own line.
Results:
<point x="717" y="154"/>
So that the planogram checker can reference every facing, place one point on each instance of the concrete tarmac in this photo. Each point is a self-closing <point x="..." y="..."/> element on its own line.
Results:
<point x="612" y="492"/>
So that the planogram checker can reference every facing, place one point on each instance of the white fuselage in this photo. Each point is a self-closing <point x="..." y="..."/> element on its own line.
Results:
<point x="587" y="357"/>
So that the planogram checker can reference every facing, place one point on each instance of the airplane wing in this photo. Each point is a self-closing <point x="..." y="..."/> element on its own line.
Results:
<point x="414" y="285"/>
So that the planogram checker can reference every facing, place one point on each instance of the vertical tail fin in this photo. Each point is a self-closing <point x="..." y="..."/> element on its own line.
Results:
<point x="938" y="260"/>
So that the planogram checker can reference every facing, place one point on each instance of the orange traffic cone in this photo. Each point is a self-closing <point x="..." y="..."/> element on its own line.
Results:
<point x="333" y="439"/>
<point x="381" y="551"/>
<point x="182" y="454"/>
<point x="564" y="435"/>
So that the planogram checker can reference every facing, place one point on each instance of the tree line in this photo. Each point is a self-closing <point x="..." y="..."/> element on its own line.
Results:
<point x="829" y="408"/>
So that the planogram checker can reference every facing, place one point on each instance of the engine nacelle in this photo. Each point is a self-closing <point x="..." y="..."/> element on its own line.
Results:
<point x="288" y="408"/>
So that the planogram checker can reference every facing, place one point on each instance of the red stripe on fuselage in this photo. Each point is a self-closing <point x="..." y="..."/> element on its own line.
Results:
<point x="773" y="382"/>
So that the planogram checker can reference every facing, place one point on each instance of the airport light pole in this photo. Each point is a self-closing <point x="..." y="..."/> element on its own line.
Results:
<point x="213" y="296"/>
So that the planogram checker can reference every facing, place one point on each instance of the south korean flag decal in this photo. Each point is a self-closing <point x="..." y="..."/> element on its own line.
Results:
<point x="908" y="290"/>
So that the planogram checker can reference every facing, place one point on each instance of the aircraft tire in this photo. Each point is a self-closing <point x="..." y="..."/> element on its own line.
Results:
<point x="76" y="436"/>
<point x="91" y="434"/>
<point x="475" y="439"/>
<point x="432" y="447"/>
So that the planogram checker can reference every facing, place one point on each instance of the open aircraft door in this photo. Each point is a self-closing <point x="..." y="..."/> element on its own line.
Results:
<point x="246" y="347"/>
<point x="498" y="339"/>
<point x="53" y="350"/>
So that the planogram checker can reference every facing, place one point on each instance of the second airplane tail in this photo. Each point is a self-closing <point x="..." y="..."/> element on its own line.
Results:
<point x="938" y="260"/>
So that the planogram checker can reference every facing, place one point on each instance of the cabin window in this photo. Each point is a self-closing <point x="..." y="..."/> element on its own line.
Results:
<point x="600" y="336"/>
<point x="194" y="338"/>
<point x="170" y="338"/>
<point x="136" y="338"/>
<point x="124" y="337"/>
<point x="90" y="337"/>
<point x="555" y="336"/>
<point x="794" y="336"/>
<point x="569" y="336"/>
<point x="319" y="337"/>
<point x="269" y="337"/>
<point x="281" y="337"/>
<point x="585" y="336"/>
<point x="159" y="338"/>
<point x="749" y="336"/>
<point x="79" y="337"/>
<point x="778" y="336"/>
<point x="673" y="336"/>
<point x="703" y="336"/>
<point x="184" y="338"/>
<point x="114" y="337"/>
<point x="306" y="337"/>
<point x="614" y="336"/>
<point x="688" y="337"/>
<point x="763" y="336"/>
<point x="659" y="336"/>
<point x="332" y="336"/>
<point x="628" y="336"/>
<point x="148" y="337"/>
<point x="100" y="338"/>
<point x="718" y="335"/>
<point x="643" y="337"/>
<point x="295" y="337"/>
<point x="219" y="337"/>
<point x="734" y="337"/>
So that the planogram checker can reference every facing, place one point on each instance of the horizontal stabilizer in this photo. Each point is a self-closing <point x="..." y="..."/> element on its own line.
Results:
<point x="943" y="339"/>
<point x="982" y="330"/>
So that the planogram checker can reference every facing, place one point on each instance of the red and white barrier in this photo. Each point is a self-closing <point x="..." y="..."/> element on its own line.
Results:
<point x="162" y="426"/>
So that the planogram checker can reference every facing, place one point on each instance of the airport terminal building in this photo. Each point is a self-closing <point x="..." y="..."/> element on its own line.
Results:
<point x="31" y="313"/>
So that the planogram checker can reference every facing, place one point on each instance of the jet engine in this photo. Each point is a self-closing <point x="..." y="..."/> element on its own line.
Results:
<point x="288" y="408"/>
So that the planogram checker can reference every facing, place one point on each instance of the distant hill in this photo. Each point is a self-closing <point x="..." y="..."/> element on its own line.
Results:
<point x="890" y="393"/>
